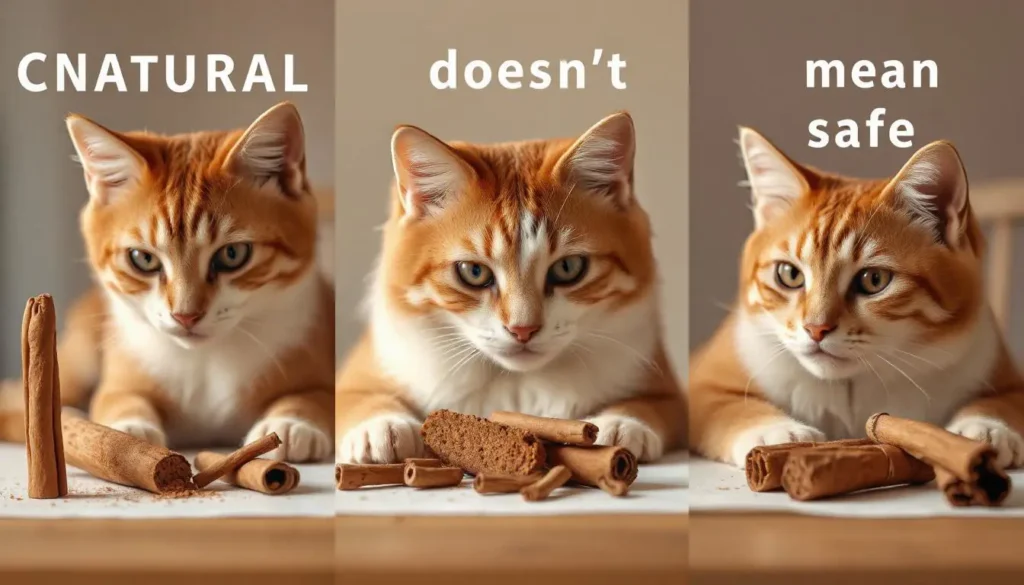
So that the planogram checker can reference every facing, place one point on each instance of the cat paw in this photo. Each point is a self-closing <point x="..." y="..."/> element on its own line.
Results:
<point x="631" y="433"/>
<point x="1008" y="443"/>
<point x="141" y="429"/>
<point x="773" y="433"/>
<point x="388" y="438"/>
<point x="301" y="440"/>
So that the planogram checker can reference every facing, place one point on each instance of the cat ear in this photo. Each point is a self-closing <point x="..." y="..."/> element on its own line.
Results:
<point x="427" y="170"/>
<point x="112" y="167"/>
<point x="602" y="159"/>
<point x="775" y="181"/>
<point x="273" y="147"/>
<point x="932" y="186"/>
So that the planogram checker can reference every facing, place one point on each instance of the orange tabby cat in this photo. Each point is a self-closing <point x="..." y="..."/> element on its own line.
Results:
<point x="210" y="323"/>
<point x="856" y="296"/>
<point x="514" y="276"/>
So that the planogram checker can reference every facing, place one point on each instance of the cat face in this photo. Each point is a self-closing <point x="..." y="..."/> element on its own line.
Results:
<point x="852" y="276"/>
<point x="517" y="251"/>
<point x="195" y="234"/>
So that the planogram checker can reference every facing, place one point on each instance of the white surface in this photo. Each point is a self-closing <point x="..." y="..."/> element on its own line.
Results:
<point x="659" y="488"/>
<point x="94" y="498"/>
<point x="722" y="487"/>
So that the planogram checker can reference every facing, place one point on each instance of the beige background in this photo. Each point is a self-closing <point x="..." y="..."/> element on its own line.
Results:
<point x="748" y="67"/>
<point x="385" y="50"/>
<point x="41" y="189"/>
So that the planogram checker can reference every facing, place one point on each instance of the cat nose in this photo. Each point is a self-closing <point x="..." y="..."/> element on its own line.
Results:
<point x="187" y="320"/>
<point x="522" y="332"/>
<point x="819" y="331"/>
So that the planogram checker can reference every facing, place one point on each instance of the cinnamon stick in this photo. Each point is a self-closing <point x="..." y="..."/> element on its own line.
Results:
<point x="764" y="463"/>
<point x="260" y="475"/>
<point x="432" y="477"/>
<point x="423" y="461"/>
<point x="573" y="432"/>
<point x="613" y="469"/>
<point x="541" y="489"/>
<point x="489" y="483"/>
<point x="351" y="476"/>
<point x="967" y="469"/>
<point x="121" y="458"/>
<point x="814" y="473"/>
<point x="247" y="453"/>
<point x="44" y="444"/>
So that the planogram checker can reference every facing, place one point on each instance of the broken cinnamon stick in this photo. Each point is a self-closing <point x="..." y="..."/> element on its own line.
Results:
<point x="613" y="469"/>
<point x="351" y="476"/>
<point x="489" y="483"/>
<point x="261" y="475"/>
<point x="764" y="463"/>
<point x="541" y="489"/>
<point x="121" y="458"/>
<point x="44" y="444"/>
<point x="432" y="477"/>
<point x="814" y="473"/>
<point x="978" y="478"/>
<point x="573" y="432"/>
<point x="478" y="445"/>
<point x="247" y="453"/>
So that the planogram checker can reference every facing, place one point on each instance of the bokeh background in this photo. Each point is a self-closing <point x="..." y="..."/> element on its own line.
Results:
<point x="41" y="189"/>
<point x="385" y="51"/>
<point x="747" y="67"/>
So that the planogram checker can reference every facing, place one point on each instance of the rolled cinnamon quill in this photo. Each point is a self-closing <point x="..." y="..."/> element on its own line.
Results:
<point x="542" y="488"/>
<point x="613" y="469"/>
<point x="44" y="444"/>
<point x="489" y="483"/>
<point x="259" y="475"/>
<point x="814" y="473"/>
<point x="966" y="470"/>
<point x="556" y="430"/>
<point x="352" y="476"/>
<point x="424" y="461"/>
<point x="247" y="453"/>
<point x="765" y="463"/>
<point x="432" y="477"/>
<point x="121" y="458"/>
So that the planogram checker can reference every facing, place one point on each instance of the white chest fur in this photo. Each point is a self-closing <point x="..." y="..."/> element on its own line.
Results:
<point x="909" y="388"/>
<point x="574" y="385"/>
<point x="209" y="384"/>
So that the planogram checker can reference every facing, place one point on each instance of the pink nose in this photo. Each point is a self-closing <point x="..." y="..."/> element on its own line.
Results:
<point x="187" y="320"/>
<point x="523" y="332"/>
<point x="819" y="331"/>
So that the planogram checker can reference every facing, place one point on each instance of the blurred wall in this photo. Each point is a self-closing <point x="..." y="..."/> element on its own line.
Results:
<point x="385" y="51"/>
<point x="748" y="68"/>
<point x="41" y="189"/>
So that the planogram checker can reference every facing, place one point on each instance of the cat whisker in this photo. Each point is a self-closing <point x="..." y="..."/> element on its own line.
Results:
<point x="905" y="375"/>
<point x="774" y="356"/>
<point x="877" y="375"/>
<point x="642" y="358"/>
<point x="266" y="349"/>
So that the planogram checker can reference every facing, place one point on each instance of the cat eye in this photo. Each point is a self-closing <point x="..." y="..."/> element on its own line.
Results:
<point x="789" y="276"/>
<point x="231" y="257"/>
<point x="872" y="281"/>
<point x="474" y="274"/>
<point x="568" y="270"/>
<point x="143" y="261"/>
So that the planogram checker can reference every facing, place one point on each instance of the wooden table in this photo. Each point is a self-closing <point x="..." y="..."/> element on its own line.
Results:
<point x="769" y="549"/>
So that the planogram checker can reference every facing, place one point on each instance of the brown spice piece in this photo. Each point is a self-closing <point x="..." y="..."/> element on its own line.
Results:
<point x="44" y="444"/>
<point x="423" y="461"/>
<point x="261" y="446"/>
<point x="261" y="475"/>
<point x="966" y="470"/>
<point x="121" y="458"/>
<point x="814" y="473"/>
<point x="351" y="476"/>
<point x="613" y="469"/>
<point x="489" y="483"/>
<point x="479" y="445"/>
<point x="556" y="430"/>
<point x="541" y="489"/>
<point x="764" y="464"/>
<point x="432" y="477"/>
